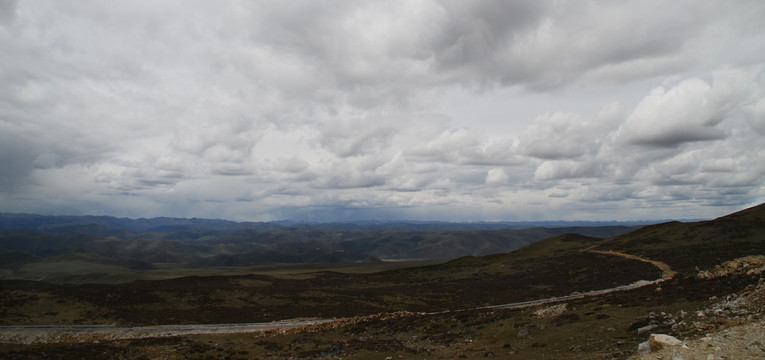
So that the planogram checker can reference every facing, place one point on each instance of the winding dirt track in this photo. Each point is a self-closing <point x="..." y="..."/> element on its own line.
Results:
<point x="89" y="333"/>
<point x="666" y="274"/>
<point x="666" y="270"/>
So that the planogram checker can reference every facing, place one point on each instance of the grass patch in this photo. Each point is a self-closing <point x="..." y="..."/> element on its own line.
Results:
<point x="170" y="271"/>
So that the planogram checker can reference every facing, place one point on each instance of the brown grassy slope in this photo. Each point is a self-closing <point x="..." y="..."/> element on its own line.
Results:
<point x="688" y="247"/>
<point x="553" y="267"/>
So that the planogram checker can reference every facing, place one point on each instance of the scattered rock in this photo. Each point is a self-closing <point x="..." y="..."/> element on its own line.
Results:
<point x="523" y="332"/>
<point x="749" y="265"/>
<point x="748" y="302"/>
<point x="737" y="342"/>
<point x="661" y="341"/>
<point x="644" y="348"/>
<point x="550" y="312"/>
<point x="646" y="328"/>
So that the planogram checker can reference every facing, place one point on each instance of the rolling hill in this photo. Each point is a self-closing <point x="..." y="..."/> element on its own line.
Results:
<point x="205" y="248"/>
<point x="454" y="309"/>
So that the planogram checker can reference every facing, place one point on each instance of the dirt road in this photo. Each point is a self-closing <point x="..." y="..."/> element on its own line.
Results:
<point x="666" y="270"/>
<point x="91" y="333"/>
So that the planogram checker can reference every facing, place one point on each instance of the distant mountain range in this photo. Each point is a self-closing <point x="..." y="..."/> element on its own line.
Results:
<point x="64" y="224"/>
<point x="109" y="244"/>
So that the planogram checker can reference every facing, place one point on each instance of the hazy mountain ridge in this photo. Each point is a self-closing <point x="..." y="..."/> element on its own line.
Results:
<point x="292" y="244"/>
<point x="35" y="239"/>
<point x="68" y="224"/>
<point x="59" y="224"/>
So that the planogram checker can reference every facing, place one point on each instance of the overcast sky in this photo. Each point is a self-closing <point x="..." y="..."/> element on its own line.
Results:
<point x="346" y="110"/>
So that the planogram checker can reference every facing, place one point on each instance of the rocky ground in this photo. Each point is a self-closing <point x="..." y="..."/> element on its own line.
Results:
<point x="746" y="341"/>
<point x="733" y="327"/>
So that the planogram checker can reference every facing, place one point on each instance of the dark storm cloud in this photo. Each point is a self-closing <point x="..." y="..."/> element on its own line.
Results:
<point x="477" y="30"/>
<point x="544" y="45"/>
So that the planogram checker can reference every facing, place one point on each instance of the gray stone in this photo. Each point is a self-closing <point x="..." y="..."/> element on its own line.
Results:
<point x="646" y="328"/>
<point x="644" y="348"/>
<point x="661" y="341"/>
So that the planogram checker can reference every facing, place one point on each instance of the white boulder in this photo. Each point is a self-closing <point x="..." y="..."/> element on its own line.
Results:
<point x="661" y="341"/>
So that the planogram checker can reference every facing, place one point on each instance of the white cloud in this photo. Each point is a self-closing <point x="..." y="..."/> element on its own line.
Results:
<point x="756" y="116"/>
<point x="688" y="112"/>
<point x="567" y="135"/>
<point x="496" y="176"/>
<point x="265" y="110"/>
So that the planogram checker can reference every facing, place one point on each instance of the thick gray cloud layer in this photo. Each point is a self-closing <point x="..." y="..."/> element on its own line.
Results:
<point x="335" y="110"/>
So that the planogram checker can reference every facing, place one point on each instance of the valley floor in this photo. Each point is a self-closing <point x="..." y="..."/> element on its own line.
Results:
<point x="726" y="327"/>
